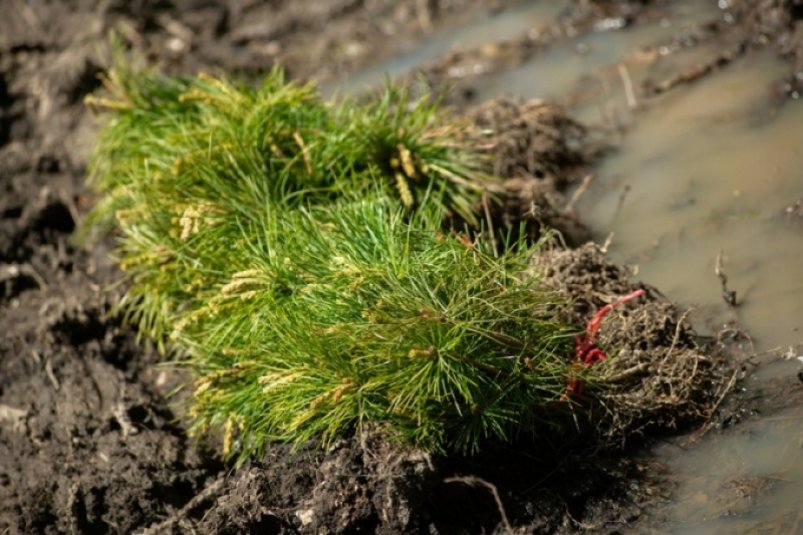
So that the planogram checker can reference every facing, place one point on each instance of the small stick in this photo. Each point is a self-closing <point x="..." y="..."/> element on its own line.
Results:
<point x="607" y="243"/>
<point x="490" y="222"/>
<point x="729" y="296"/>
<point x="175" y="518"/>
<point x="630" y="95"/>
<point x="473" y="480"/>
<point x="581" y="189"/>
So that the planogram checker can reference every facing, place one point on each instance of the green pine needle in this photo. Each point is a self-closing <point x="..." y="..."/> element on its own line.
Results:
<point x="295" y="252"/>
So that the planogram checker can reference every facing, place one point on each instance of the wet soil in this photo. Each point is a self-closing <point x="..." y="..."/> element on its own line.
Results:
<point x="89" y="442"/>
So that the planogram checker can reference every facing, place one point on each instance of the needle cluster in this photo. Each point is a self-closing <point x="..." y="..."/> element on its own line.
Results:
<point x="298" y="255"/>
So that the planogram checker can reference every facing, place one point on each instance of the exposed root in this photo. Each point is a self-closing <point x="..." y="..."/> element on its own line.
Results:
<point x="473" y="480"/>
<point x="656" y="376"/>
<point x="530" y="139"/>
<point x="209" y="492"/>
<point x="537" y="148"/>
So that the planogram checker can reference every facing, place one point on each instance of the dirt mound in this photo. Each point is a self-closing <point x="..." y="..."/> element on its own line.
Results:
<point x="377" y="487"/>
<point x="541" y="152"/>
<point x="86" y="441"/>
<point x="658" y="377"/>
<point x="369" y="487"/>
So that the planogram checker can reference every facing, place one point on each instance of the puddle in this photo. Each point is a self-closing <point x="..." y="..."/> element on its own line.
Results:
<point x="705" y="168"/>
<point x="477" y="29"/>
<point x="747" y="481"/>
<point x="565" y="69"/>
<point x="708" y="168"/>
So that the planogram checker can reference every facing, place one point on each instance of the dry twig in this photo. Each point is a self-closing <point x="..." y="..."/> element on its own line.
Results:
<point x="165" y="525"/>
<point x="630" y="94"/>
<point x="478" y="481"/>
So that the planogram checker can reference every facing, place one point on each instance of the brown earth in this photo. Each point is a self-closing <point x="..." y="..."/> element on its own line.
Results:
<point x="88" y="440"/>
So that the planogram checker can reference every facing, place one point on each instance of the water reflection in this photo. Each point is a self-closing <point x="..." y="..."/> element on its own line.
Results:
<point x="711" y="168"/>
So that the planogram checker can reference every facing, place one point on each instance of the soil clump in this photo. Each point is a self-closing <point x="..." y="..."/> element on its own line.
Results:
<point x="661" y="379"/>
<point x="540" y="152"/>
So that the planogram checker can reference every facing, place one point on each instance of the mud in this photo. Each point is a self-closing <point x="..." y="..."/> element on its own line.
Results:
<point x="89" y="442"/>
<point x="745" y="25"/>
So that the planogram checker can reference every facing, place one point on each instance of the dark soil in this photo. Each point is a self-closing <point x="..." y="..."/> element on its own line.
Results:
<point x="88" y="440"/>
<point x="660" y="379"/>
<point x="540" y="152"/>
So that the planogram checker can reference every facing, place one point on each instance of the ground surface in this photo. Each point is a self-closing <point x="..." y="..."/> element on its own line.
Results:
<point x="88" y="441"/>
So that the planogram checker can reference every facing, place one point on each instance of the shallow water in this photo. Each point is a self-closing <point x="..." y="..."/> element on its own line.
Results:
<point x="711" y="167"/>
<point x="748" y="480"/>
<point x="565" y="69"/>
<point x="708" y="167"/>
<point x="471" y="31"/>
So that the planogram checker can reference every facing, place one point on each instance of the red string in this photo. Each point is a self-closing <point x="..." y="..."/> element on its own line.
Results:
<point x="586" y="352"/>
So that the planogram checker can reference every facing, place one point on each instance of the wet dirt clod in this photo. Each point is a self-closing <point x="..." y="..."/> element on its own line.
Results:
<point x="656" y="377"/>
<point x="541" y="152"/>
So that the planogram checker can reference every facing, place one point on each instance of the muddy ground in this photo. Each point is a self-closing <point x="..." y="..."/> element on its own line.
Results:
<point x="88" y="440"/>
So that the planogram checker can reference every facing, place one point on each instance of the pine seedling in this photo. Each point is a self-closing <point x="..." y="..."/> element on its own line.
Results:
<point x="207" y="137"/>
<point x="366" y="317"/>
<point x="179" y="154"/>
<point x="294" y="251"/>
